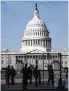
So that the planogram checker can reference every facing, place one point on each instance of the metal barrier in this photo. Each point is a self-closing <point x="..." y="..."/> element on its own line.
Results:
<point x="44" y="73"/>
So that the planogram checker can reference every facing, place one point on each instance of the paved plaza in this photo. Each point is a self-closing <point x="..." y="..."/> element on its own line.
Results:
<point x="18" y="85"/>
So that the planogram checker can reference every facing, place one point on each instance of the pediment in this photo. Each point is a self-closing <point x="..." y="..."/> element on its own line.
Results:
<point x="36" y="51"/>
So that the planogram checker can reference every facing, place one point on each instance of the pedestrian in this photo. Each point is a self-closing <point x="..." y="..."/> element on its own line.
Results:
<point x="65" y="85"/>
<point x="50" y="74"/>
<point x="36" y="75"/>
<point x="13" y="73"/>
<point x="30" y="74"/>
<point x="7" y="74"/>
<point x="39" y="76"/>
<point x="25" y="76"/>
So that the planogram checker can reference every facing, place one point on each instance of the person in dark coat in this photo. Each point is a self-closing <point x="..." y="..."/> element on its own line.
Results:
<point x="7" y="74"/>
<point x="25" y="76"/>
<point x="50" y="75"/>
<point x="13" y="73"/>
<point x="36" y="75"/>
<point x="30" y="74"/>
<point x="39" y="76"/>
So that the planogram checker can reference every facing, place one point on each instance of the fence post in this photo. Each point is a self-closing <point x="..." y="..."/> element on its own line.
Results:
<point x="60" y="84"/>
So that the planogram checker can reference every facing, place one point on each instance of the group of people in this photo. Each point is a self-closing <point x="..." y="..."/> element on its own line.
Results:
<point x="27" y="75"/>
<point x="28" y="72"/>
<point x="10" y="74"/>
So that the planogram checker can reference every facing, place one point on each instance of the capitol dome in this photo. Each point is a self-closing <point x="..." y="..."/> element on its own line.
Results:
<point x="36" y="22"/>
<point x="36" y="35"/>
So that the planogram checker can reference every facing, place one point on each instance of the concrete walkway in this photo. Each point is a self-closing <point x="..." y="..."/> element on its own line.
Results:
<point x="18" y="81"/>
<point x="18" y="87"/>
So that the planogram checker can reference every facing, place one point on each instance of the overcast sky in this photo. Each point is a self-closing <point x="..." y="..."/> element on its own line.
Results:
<point x="16" y="15"/>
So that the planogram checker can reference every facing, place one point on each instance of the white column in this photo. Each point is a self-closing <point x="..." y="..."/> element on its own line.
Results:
<point x="42" y="42"/>
<point x="31" y="42"/>
<point x="48" y="44"/>
<point x="45" y="43"/>
<point x="37" y="42"/>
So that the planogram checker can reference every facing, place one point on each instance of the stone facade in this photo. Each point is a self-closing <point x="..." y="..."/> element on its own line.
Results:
<point x="18" y="59"/>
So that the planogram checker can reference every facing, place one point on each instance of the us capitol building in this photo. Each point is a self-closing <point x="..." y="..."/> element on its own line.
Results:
<point x="35" y="49"/>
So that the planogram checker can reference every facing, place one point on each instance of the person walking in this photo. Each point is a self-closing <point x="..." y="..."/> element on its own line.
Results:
<point x="30" y="74"/>
<point x="25" y="76"/>
<point x="39" y="76"/>
<point x="13" y="73"/>
<point x="50" y="75"/>
<point x="7" y="74"/>
<point x="36" y="75"/>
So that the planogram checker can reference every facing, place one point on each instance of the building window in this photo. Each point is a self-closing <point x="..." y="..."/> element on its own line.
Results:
<point x="53" y="57"/>
<point x="26" y="42"/>
<point x="29" y="42"/>
<point x="38" y="33"/>
<point x="1" y="61"/>
<point x="38" y="42"/>
<point x="10" y="62"/>
<point x="65" y="62"/>
<point x="33" y="42"/>
<point x="42" y="33"/>
<point x="62" y="62"/>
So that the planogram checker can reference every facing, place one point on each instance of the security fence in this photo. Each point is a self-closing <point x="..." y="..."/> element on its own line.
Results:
<point x="45" y="59"/>
<point x="42" y="60"/>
